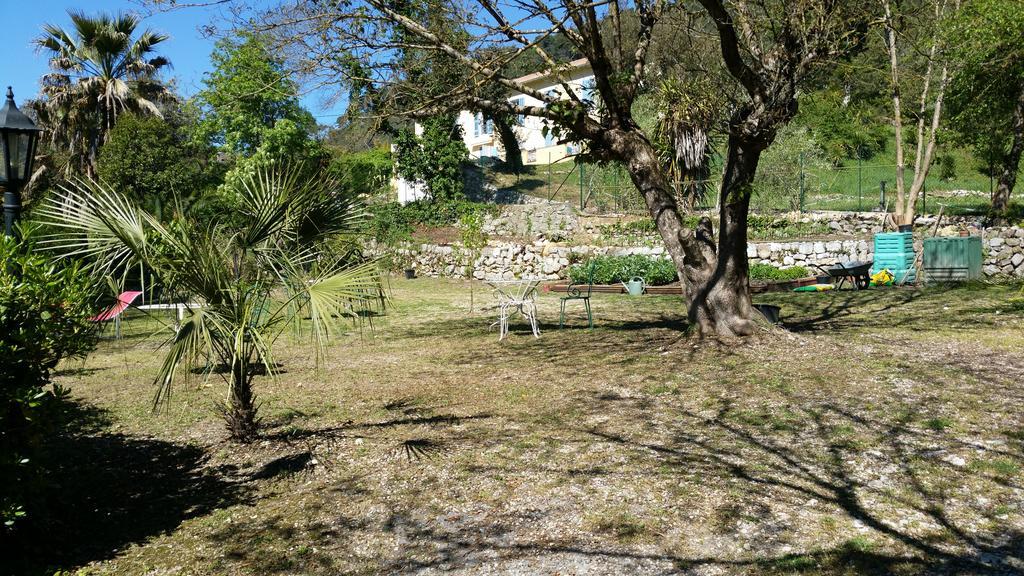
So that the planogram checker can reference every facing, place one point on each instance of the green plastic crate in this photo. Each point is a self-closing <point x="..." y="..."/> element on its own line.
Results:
<point x="893" y="242"/>
<point x="894" y="251"/>
<point x="952" y="259"/>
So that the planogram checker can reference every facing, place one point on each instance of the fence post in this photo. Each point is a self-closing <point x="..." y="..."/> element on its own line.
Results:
<point x="549" y="174"/>
<point x="802" y="182"/>
<point x="924" y="196"/>
<point x="860" y="180"/>
<point x="582" y="175"/>
<point x="881" y="200"/>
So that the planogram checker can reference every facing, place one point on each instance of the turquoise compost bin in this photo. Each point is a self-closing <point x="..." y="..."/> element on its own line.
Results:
<point x="894" y="251"/>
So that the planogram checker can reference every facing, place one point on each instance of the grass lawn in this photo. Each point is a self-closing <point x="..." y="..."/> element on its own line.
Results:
<point x="882" y="433"/>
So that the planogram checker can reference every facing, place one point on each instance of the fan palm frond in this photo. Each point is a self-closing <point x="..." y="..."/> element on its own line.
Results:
<point x="237" y="275"/>
<point x="97" y="73"/>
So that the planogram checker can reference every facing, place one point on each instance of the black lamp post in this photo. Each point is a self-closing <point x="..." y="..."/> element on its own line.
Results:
<point x="18" y="136"/>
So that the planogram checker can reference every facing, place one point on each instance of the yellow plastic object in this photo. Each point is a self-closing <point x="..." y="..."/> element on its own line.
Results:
<point x="882" y="278"/>
<point x="815" y="288"/>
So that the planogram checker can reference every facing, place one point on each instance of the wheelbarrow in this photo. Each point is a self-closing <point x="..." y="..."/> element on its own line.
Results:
<point x="856" y="271"/>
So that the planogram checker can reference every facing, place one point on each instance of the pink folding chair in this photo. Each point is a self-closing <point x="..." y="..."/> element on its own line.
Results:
<point x="124" y="300"/>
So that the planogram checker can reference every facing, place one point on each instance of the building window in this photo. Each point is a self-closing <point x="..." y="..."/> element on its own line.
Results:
<point x="549" y="138"/>
<point x="588" y="90"/>
<point x="482" y="127"/>
<point x="520" y="119"/>
<point x="531" y="156"/>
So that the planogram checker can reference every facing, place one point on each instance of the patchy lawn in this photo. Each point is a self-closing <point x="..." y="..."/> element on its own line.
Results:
<point x="882" y="433"/>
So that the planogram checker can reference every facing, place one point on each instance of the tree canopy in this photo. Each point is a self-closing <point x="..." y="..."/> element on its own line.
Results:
<point x="99" y="69"/>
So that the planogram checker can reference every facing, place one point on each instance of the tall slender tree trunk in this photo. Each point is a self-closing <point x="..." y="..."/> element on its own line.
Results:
<point x="1011" y="160"/>
<point x="926" y="138"/>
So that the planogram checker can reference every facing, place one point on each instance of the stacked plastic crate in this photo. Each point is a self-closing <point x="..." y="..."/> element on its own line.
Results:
<point x="894" y="251"/>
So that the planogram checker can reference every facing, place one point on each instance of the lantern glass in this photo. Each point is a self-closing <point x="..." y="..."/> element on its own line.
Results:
<point x="5" y="158"/>
<point x="18" y="148"/>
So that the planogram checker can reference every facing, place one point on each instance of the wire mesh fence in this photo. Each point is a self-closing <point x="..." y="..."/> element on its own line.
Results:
<point x="859" y="186"/>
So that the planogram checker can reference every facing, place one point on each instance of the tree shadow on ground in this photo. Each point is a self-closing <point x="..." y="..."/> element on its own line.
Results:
<point x="762" y="465"/>
<point x="438" y="420"/>
<point x="830" y="453"/>
<point x="932" y="307"/>
<point x="105" y="491"/>
<point x="813" y="457"/>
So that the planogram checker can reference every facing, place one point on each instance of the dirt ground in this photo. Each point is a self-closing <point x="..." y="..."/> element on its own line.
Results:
<point x="879" y="432"/>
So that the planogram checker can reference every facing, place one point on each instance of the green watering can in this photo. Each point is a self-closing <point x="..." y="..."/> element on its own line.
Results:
<point x="635" y="286"/>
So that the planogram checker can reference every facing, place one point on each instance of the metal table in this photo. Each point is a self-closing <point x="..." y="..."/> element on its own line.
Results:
<point x="515" y="296"/>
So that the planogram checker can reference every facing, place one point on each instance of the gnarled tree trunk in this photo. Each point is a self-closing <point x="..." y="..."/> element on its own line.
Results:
<point x="714" y="276"/>
<point x="726" y="285"/>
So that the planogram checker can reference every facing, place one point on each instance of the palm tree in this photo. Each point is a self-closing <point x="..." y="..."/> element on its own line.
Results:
<point x="98" y="71"/>
<point x="292" y="255"/>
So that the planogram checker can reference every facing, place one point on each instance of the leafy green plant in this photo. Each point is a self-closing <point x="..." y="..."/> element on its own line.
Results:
<point x="392" y="223"/>
<point x="760" y="271"/>
<point x="365" y="172"/>
<point x="777" y="182"/>
<point x="474" y="240"/>
<point x="614" y="269"/>
<point x="156" y="163"/>
<point x="44" y="316"/>
<point x="100" y="68"/>
<point x="759" y="226"/>
<point x="947" y="167"/>
<point x="434" y="158"/>
<point x="768" y="227"/>
<point x="843" y="129"/>
<point x="294" y="256"/>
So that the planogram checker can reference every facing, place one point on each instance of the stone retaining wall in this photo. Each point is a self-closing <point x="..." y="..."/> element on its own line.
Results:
<point x="1003" y="247"/>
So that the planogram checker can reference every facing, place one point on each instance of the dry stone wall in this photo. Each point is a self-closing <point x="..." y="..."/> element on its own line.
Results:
<point x="850" y="240"/>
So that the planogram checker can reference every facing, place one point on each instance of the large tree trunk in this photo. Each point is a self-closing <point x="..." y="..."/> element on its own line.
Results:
<point x="714" y="279"/>
<point x="1011" y="161"/>
<point x="726" y="286"/>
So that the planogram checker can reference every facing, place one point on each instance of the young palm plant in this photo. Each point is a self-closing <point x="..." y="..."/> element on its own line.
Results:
<point x="292" y="261"/>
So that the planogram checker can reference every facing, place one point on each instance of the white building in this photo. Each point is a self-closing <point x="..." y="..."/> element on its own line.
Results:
<point x="483" y="141"/>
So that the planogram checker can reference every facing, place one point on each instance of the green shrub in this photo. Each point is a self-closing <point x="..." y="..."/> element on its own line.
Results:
<point x="392" y="223"/>
<point x="364" y="172"/>
<point x="769" y="272"/>
<point x="614" y="269"/>
<point x="767" y="227"/>
<point x="947" y="167"/>
<point x="44" y="316"/>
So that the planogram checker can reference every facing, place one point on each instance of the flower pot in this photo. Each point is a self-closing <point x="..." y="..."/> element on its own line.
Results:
<point x="410" y="273"/>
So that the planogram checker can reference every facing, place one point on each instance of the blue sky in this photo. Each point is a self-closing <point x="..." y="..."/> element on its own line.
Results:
<point x="21" y="67"/>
